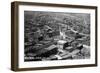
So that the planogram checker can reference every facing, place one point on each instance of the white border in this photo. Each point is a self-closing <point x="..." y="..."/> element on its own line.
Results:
<point x="33" y="64"/>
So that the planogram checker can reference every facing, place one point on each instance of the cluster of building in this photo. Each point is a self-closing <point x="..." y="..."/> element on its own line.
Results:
<point x="51" y="44"/>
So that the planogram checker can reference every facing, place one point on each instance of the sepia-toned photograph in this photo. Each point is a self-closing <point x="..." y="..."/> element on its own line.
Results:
<point x="52" y="36"/>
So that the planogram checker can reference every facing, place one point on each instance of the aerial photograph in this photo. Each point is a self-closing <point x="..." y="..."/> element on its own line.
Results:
<point x="50" y="36"/>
